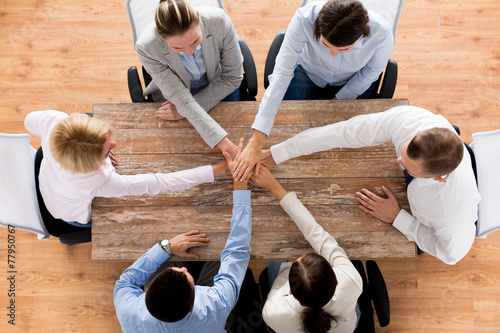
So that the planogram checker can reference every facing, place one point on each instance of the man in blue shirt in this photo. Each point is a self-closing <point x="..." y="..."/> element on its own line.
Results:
<point x="177" y="303"/>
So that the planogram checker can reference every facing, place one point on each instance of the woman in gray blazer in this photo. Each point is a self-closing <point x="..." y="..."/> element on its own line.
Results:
<point x="194" y="58"/>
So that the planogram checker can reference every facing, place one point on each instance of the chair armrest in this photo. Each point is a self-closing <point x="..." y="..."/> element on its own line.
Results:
<point x="271" y="56"/>
<point x="134" y="85"/>
<point x="249" y="69"/>
<point x="390" y="79"/>
<point x="379" y="294"/>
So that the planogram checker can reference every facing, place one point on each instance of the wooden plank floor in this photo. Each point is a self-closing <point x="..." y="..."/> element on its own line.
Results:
<point x="68" y="55"/>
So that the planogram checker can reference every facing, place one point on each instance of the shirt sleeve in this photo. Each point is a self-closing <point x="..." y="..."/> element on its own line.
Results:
<point x="176" y="92"/>
<point x="129" y="287"/>
<point x="443" y="216"/>
<point x="235" y="256"/>
<point x="286" y="62"/>
<point x="360" y="131"/>
<point x="119" y="185"/>
<point x="231" y="69"/>
<point x="322" y="242"/>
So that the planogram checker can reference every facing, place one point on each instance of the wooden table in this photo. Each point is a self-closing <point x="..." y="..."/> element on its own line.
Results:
<point x="124" y="228"/>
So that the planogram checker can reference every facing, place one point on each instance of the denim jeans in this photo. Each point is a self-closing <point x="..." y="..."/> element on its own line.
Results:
<point x="233" y="97"/>
<point x="81" y="225"/>
<point x="302" y="88"/>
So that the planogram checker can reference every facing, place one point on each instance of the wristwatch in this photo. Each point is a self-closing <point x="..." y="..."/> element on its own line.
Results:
<point x="165" y="244"/>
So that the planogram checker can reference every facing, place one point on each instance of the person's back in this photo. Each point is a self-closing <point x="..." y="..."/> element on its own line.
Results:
<point x="152" y="311"/>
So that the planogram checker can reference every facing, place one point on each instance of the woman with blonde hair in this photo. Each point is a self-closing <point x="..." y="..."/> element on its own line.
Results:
<point x="78" y="165"/>
<point x="194" y="58"/>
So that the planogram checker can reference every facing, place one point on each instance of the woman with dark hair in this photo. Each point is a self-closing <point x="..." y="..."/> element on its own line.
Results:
<point x="318" y="292"/>
<point x="194" y="58"/>
<point x="331" y="50"/>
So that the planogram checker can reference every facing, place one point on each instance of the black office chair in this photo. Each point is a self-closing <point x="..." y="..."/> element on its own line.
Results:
<point x="386" y="82"/>
<point x="67" y="233"/>
<point x="374" y="290"/>
<point x="247" y="314"/>
<point x="248" y="86"/>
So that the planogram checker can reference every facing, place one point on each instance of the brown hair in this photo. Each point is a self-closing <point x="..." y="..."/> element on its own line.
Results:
<point x="174" y="17"/>
<point x="440" y="149"/>
<point x="313" y="283"/>
<point x="170" y="296"/>
<point x="77" y="143"/>
<point x="342" y="22"/>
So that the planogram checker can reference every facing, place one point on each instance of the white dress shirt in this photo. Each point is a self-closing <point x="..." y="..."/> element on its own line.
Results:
<point x="68" y="196"/>
<point x="443" y="215"/>
<point x="356" y="70"/>
<point x="282" y="312"/>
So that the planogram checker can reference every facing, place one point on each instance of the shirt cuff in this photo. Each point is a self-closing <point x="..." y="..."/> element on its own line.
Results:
<point x="290" y="199"/>
<point x="279" y="153"/>
<point x="403" y="222"/>
<point x="205" y="174"/>
<point x="241" y="198"/>
<point x="263" y="124"/>
<point x="346" y="93"/>
<point x="158" y="254"/>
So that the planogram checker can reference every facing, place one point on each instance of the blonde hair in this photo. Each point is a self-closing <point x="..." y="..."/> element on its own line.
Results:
<point x="174" y="17"/>
<point x="77" y="143"/>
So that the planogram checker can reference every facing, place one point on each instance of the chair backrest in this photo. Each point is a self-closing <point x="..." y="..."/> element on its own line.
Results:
<point x="486" y="147"/>
<point x="141" y="13"/>
<point x="18" y="200"/>
<point x="389" y="9"/>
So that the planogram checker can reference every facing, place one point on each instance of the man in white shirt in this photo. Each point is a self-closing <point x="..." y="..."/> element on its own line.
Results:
<point x="443" y="197"/>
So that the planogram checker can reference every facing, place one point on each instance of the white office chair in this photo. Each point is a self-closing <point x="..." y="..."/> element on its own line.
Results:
<point x="18" y="200"/>
<point x="141" y="14"/>
<point x="486" y="147"/>
<point x="21" y="205"/>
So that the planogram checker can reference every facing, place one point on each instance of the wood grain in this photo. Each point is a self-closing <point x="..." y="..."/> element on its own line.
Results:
<point x="68" y="55"/>
<point x="329" y="181"/>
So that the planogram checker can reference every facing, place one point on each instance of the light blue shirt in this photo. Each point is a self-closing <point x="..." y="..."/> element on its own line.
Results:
<point x="212" y="305"/>
<point x="197" y="71"/>
<point x="355" y="70"/>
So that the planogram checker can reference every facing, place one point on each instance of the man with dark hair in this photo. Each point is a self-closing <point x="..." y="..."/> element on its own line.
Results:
<point x="172" y="302"/>
<point x="441" y="190"/>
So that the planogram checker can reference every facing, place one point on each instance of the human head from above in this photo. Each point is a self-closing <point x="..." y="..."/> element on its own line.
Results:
<point x="81" y="144"/>
<point x="179" y="25"/>
<point x="170" y="296"/>
<point x="339" y="24"/>
<point x="432" y="153"/>
<point x="313" y="283"/>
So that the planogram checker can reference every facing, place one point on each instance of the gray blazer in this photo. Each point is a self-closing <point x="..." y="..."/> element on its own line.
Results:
<point x="223" y="60"/>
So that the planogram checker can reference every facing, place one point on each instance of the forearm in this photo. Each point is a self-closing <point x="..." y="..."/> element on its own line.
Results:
<point x="277" y="189"/>
<point x="134" y="277"/>
<point x="235" y="256"/>
<point x="220" y="169"/>
<point x="241" y="186"/>
<point x="320" y="240"/>
<point x="119" y="185"/>
<point x="360" y="131"/>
